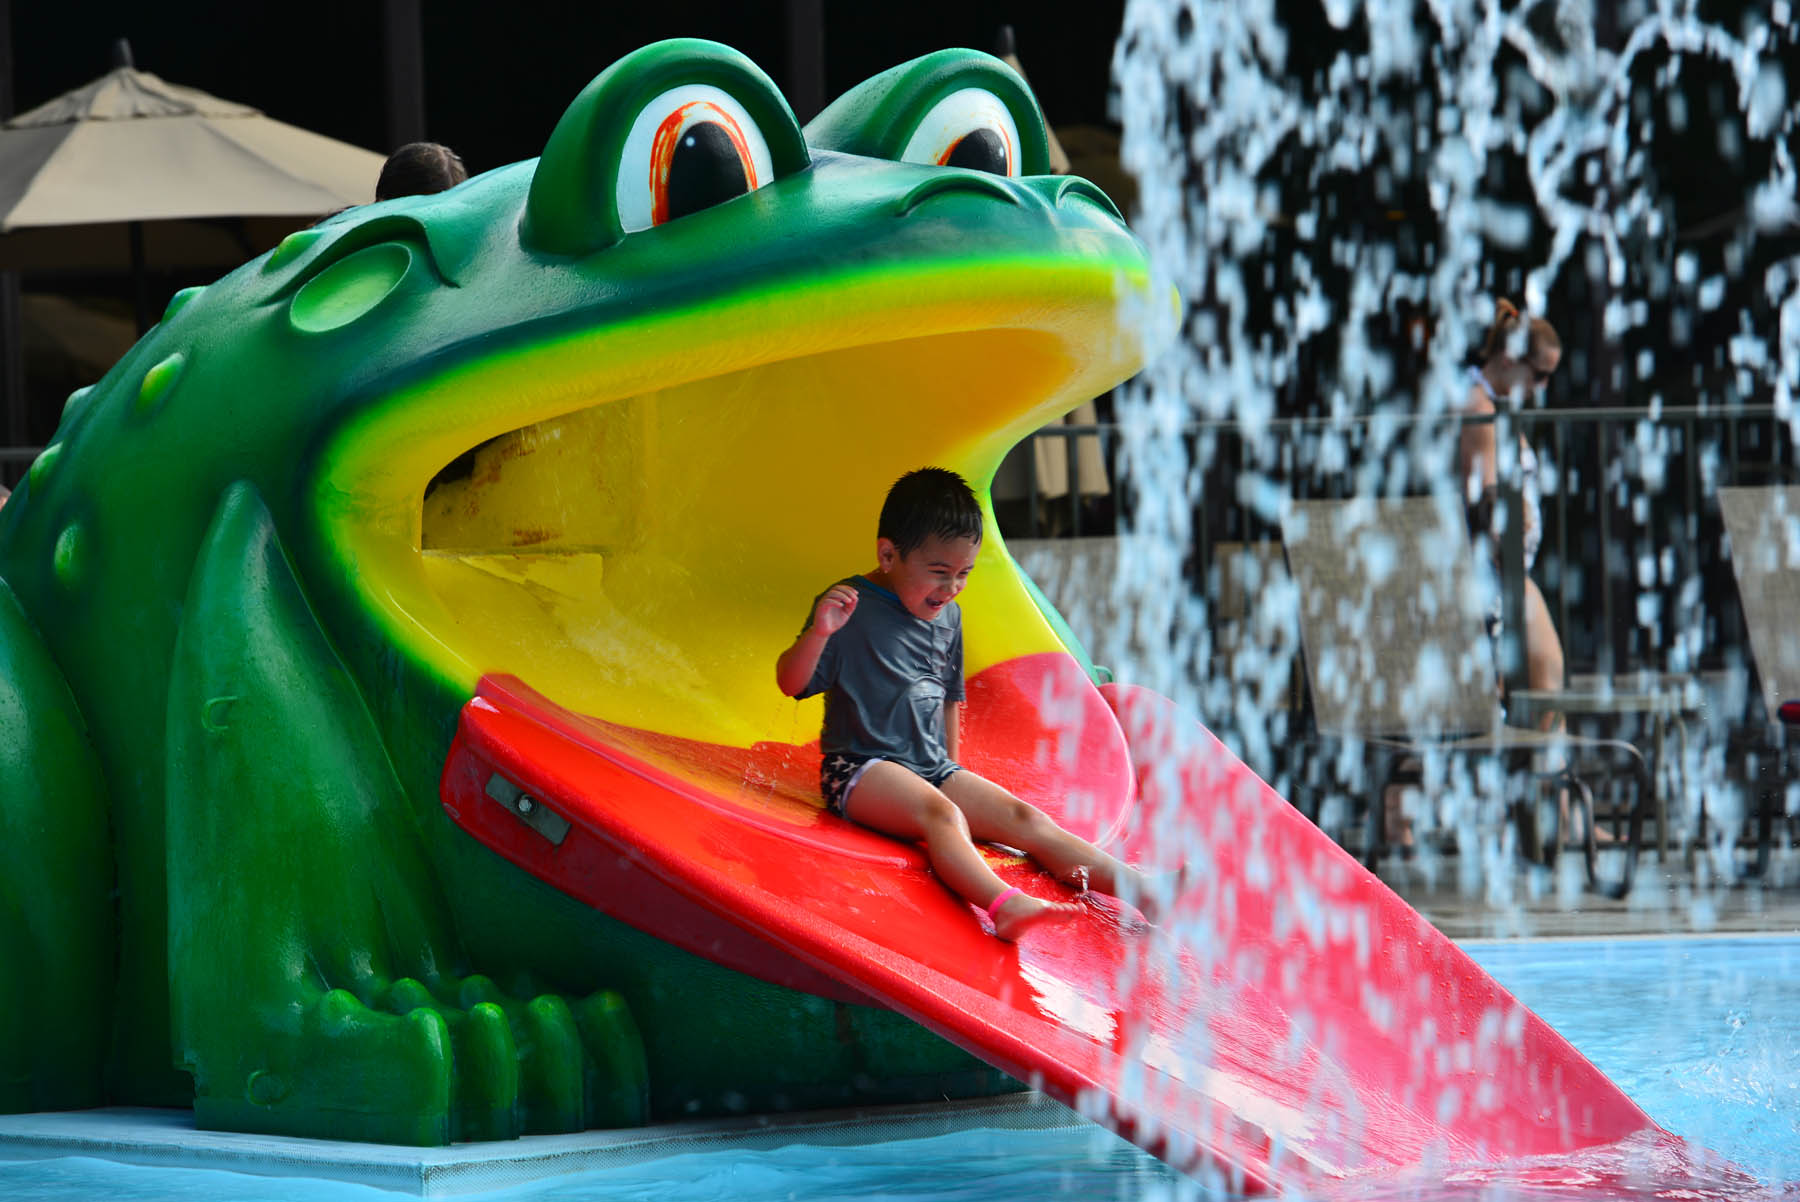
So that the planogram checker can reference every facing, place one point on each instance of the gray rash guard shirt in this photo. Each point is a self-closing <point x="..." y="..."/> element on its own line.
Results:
<point x="887" y="676"/>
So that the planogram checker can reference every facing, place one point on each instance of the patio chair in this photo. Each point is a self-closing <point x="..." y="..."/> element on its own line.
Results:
<point x="1398" y="663"/>
<point x="1763" y="525"/>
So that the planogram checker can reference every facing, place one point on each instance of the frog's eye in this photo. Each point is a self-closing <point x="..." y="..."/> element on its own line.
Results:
<point x="972" y="128"/>
<point x="954" y="108"/>
<point x="690" y="148"/>
<point x="668" y="130"/>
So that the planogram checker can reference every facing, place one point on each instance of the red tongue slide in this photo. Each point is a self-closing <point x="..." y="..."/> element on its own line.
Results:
<point x="1290" y="1022"/>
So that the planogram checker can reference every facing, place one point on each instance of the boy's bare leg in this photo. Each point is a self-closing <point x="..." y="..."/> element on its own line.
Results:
<point x="996" y="816"/>
<point x="898" y="801"/>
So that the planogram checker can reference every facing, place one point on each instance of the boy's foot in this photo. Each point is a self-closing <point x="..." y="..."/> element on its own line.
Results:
<point x="1153" y="892"/>
<point x="1021" y="911"/>
<point x="1121" y="881"/>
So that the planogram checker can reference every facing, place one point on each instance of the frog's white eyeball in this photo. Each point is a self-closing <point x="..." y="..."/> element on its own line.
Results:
<point x="971" y="127"/>
<point x="689" y="149"/>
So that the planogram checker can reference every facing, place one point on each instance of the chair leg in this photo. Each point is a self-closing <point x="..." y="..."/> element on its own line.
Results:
<point x="1387" y="767"/>
<point x="1531" y="840"/>
<point x="1376" y="844"/>
<point x="1634" y="841"/>
<point x="1767" y="787"/>
<point x="1583" y="796"/>
<point x="1532" y="817"/>
<point x="1767" y="800"/>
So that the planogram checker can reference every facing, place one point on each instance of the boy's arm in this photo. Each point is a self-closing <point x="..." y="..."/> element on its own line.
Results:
<point x="952" y="728"/>
<point x="795" y="667"/>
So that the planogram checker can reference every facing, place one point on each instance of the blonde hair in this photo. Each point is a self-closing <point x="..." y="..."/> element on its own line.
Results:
<point x="1506" y="323"/>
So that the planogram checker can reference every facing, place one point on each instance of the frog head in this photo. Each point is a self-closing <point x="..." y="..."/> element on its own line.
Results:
<point x="606" y="420"/>
<point x="701" y="344"/>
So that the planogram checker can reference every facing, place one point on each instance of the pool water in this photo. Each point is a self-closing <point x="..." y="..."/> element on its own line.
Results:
<point x="1703" y="1033"/>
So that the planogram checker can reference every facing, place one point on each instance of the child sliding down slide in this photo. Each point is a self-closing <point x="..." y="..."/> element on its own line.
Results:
<point x="886" y="650"/>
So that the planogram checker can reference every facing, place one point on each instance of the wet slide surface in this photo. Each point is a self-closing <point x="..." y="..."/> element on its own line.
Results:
<point x="1290" y="1020"/>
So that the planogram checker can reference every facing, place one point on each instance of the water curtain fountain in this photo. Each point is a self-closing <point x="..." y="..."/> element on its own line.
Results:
<point x="1339" y="193"/>
<point x="1313" y="175"/>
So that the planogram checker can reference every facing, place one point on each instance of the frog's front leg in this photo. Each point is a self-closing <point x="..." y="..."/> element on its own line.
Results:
<point x="315" y="981"/>
<point x="56" y="928"/>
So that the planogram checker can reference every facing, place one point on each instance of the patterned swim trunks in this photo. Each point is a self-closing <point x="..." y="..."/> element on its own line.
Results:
<point x="838" y="774"/>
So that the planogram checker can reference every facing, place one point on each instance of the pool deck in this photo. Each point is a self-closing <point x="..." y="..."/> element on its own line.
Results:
<point x="1667" y="898"/>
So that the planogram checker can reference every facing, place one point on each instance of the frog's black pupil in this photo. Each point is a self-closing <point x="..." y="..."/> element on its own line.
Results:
<point x="979" y="150"/>
<point x="705" y="170"/>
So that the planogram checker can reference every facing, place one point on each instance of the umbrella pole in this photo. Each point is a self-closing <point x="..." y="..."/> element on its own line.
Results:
<point x="140" y="286"/>
<point x="806" y="57"/>
<point x="13" y="402"/>
<point x="12" y="369"/>
<point x="405" y="72"/>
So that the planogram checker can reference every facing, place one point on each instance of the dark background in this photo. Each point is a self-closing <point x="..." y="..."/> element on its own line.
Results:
<point x="495" y="80"/>
<point x="497" y="76"/>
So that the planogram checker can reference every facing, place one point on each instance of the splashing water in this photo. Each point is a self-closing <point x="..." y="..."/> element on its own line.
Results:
<point x="1298" y="183"/>
<point x="1305" y="173"/>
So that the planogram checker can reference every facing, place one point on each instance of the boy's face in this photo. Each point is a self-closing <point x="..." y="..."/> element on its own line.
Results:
<point x="927" y="577"/>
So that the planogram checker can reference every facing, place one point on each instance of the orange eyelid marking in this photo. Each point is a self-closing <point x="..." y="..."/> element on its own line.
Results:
<point x="668" y="134"/>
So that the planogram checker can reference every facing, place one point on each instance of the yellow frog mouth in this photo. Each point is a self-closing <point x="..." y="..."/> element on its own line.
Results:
<point x="650" y="511"/>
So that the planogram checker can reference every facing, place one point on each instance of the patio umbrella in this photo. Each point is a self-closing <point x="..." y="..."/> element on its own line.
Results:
<point x="132" y="167"/>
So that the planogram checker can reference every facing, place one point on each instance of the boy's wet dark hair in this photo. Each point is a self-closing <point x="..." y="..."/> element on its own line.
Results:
<point x="925" y="502"/>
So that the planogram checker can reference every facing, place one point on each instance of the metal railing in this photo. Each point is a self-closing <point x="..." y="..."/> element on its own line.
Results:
<point x="1621" y="488"/>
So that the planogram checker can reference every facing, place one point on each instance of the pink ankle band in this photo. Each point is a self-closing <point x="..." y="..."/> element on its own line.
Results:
<point x="994" y="906"/>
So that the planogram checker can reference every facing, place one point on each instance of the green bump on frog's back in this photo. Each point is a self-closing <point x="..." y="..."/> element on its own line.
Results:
<point x="213" y="705"/>
<point x="158" y="382"/>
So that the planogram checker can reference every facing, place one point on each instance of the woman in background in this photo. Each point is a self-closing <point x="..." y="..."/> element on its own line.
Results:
<point x="1516" y="358"/>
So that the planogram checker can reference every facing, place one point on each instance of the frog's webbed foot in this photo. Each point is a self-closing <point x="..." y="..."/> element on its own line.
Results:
<point x="416" y="1068"/>
<point x="543" y="1064"/>
<point x="309" y="946"/>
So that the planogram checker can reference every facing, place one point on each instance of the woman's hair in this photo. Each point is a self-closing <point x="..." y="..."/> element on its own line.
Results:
<point x="1506" y="324"/>
<point x="419" y="169"/>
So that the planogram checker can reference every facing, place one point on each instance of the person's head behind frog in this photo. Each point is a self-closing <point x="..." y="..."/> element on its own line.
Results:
<point x="420" y="169"/>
